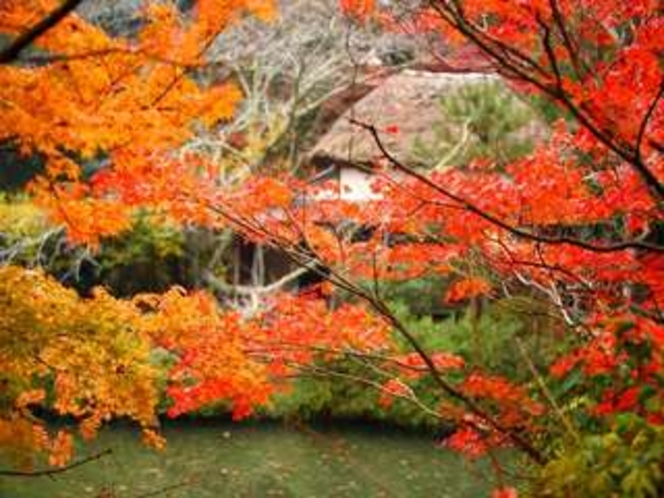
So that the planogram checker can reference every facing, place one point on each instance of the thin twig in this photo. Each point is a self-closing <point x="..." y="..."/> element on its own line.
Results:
<point x="167" y="489"/>
<point x="58" y="470"/>
<point x="646" y="120"/>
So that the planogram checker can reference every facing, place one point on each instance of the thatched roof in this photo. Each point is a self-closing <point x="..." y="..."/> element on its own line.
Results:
<point x="408" y="102"/>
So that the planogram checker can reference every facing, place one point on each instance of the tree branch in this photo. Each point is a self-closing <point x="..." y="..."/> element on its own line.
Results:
<point x="567" y="38"/>
<point x="493" y="219"/>
<point x="339" y="280"/>
<point x="168" y="489"/>
<point x="450" y="13"/>
<point x="211" y="279"/>
<point x="26" y="38"/>
<point x="58" y="470"/>
<point x="646" y="120"/>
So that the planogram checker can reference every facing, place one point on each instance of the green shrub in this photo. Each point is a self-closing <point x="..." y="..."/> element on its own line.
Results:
<point x="627" y="461"/>
<point x="149" y="257"/>
<point x="339" y="397"/>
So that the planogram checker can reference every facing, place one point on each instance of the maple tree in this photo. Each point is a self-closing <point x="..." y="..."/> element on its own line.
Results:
<point x="578" y="222"/>
<point x="575" y="225"/>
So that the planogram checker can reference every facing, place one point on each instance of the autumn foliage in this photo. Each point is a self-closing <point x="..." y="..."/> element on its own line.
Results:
<point x="576" y="226"/>
<point x="93" y="352"/>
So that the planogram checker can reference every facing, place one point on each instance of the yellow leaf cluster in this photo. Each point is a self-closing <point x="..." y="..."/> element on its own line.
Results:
<point x="93" y="352"/>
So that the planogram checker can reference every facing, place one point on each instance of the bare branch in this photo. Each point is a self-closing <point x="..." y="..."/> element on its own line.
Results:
<point x="646" y="119"/>
<point x="58" y="470"/>
<point x="253" y="290"/>
<point x="169" y="488"/>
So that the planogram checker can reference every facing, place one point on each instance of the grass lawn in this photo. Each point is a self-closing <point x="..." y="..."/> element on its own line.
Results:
<point x="218" y="459"/>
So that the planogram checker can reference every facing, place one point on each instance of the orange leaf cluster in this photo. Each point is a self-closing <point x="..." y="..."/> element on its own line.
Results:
<point x="113" y="100"/>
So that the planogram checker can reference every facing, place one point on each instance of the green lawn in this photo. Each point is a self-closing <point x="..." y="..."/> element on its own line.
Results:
<point x="255" y="460"/>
